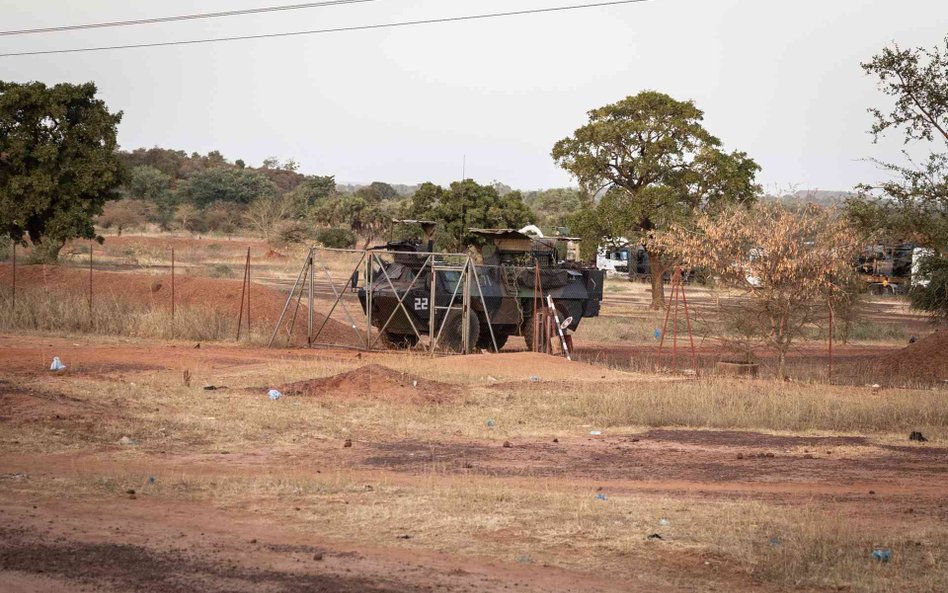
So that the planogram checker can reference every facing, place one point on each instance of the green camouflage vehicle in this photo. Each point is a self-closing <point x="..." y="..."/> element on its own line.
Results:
<point x="502" y="297"/>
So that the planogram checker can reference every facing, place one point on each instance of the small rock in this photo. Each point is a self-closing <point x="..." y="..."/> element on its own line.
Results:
<point x="253" y="541"/>
<point x="769" y="455"/>
<point x="507" y="445"/>
<point x="369" y="487"/>
<point x="654" y="536"/>
<point x="405" y="536"/>
<point x="347" y="444"/>
<point x="130" y="491"/>
<point x="808" y="456"/>
<point x="555" y="440"/>
<point x="917" y="436"/>
<point x="872" y="492"/>
<point x="740" y="456"/>
<point x="635" y="440"/>
<point x="318" y="556"/>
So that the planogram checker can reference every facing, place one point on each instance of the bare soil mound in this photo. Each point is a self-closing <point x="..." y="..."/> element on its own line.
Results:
<point x="924" y="361"/>
<point x="375" y="382"/>
<point x="154" y="291"/>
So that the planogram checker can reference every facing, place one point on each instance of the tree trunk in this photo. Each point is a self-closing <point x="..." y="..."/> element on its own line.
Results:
<point x="47" y="250"/>
<point x="657" y="273"/>
<point x="782" y="364"/>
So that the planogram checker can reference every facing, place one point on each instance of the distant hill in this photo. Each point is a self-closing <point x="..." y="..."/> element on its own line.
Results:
<point x="812" y="196"/>
<point x="400" y="188"/>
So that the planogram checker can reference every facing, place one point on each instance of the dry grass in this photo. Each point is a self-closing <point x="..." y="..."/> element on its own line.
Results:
<point x="65" y="314"/>
<point x="158" y="410"/>
<point x="790" y="547"/>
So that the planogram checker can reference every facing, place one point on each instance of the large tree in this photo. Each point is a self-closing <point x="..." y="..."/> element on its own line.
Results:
<point x="912" y="204"/>
<point x="58" y="165"/>
<point x="656" y="165"/>
<point x="152" y="185"/>
<point x="228" y="185"/>
<point x="466" y="205"/>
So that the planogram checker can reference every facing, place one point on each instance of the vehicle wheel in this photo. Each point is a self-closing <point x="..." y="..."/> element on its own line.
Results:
<point x="451" y="337"/>
<point x="485" y="343"/>
<point x="399" y="341"/>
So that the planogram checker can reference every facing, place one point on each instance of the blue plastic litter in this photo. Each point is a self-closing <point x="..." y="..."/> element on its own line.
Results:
<point x="601" y="496"/>
<point x="882" y="554"/>
<point x="274" y="395"/>
<point x="490" y="423"/>
<point x="151" y="479"/>
<point x="658" y="334"/>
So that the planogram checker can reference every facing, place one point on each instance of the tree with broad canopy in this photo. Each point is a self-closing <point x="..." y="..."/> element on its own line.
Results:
<point x="655" y="165"/>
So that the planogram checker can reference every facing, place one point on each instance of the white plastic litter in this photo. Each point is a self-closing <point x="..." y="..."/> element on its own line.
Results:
<point x="663" y="522"/>
<point x="595" y="433"/>
<point x="274" y="395"/>
<point x="534" y="378"/>
<point x="57" y="365"/>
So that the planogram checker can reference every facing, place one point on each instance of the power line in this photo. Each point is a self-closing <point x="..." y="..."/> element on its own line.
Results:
<point x="182" y="17"/>
<point x="455" y="19"/>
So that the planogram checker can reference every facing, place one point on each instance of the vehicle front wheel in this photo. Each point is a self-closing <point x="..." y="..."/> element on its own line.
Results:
<point x="485" y="343"/>
<point x="451" y="337"/>
<point x="399" y="341"/>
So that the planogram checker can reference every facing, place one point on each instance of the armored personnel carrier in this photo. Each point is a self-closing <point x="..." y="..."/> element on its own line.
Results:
<point x="502" y="291"/>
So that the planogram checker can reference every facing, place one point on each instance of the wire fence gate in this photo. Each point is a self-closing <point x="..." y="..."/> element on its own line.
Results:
<point x="369" y="299"/>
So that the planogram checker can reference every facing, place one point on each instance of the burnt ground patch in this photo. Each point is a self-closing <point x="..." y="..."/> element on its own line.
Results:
<point x="738" y="438"/>
<point x="135" y="568"/>
<point x="711" y="456"/>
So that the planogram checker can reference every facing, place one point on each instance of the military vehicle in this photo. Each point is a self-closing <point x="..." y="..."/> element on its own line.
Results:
<point x="501" y="300"/>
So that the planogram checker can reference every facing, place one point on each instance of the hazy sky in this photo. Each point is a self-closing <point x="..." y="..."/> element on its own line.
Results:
<point x="780" y="80"/>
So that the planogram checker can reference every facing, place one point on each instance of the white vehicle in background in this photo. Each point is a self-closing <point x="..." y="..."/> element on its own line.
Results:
<point x="613" y="258"/>
<point x="918" y="254"/>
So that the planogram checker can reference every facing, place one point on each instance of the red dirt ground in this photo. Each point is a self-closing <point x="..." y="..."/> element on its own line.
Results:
<point x="153" y="544"/>
<point x="376" y="382"/>
<point x="146" y="290"/>
<point x="926" y="359"/>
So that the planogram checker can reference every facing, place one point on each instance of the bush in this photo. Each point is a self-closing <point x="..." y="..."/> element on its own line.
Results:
<point x="338" y="238"/>
<point x="6" y="248"/>
<point x="220" y="271"/>
<point x="292" y="231"/>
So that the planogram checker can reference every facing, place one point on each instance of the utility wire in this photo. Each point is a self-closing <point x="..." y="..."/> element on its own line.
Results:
<point x="454" y="19"/>
<point x="182" y="17"/>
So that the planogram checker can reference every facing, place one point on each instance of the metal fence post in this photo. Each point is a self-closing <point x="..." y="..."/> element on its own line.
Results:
<point x="90" y="283"/>
<point x="172" y="293"/>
